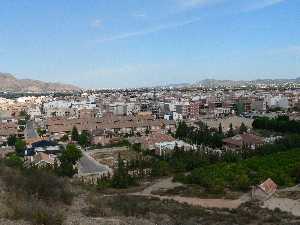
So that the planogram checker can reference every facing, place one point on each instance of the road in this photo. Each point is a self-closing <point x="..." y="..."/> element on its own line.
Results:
<point x="29" y="131"/>
<point x="88" y="165"/>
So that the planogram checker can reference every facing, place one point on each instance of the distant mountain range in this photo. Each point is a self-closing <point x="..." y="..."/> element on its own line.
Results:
<point x="8" y="82"/>
<point x="239" y="83"/>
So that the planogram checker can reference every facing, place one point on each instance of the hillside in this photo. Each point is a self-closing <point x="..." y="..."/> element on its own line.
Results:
<point x="30" y="197"/>
<point x="10" y="83"/>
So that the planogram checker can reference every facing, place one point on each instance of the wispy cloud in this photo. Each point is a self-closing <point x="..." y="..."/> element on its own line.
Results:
<point x="187" y="4"/>
<point x="261" y="4"/>
<point x="96" y="23"/>
<point x="251" y="5"/>
<point x="148" y="30"/>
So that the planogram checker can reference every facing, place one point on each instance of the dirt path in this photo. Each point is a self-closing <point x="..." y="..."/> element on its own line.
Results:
<point x="284" y="204"/>
<point x="207" y="203"/>
<point x="165" y="183"/>
<point x="287" y="200"/>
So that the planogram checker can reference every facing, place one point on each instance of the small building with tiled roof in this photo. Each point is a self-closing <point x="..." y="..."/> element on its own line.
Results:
<point x="265" y="190"/>
<point x="42" y="159"/>
<point x="245" y="140"/>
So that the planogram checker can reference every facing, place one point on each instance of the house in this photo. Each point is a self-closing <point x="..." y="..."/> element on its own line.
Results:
<point x="245" y="140"/>
<point x="165" y="148"/>
<point x="148" y="142"/>
<point x="103" y="137"/>
<point x="264" y="190"/>
<point x="46" y="146"/>
<point x="42" y="159"/>
<point x="8" y="128"/>
<point x="116" y="124"/>
<point x="159" y="143"/>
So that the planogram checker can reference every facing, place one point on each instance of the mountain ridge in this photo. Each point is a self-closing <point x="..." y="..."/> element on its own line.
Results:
<point x="8" y="82"/>
<point x="236" y="83"/>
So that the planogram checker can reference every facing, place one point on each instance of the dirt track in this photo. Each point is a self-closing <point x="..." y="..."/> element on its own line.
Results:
<point x="207" y="203"/>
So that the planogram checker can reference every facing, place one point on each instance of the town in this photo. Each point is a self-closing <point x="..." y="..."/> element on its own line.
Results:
<point x="160" y="139"/>
<point x="150" y="112"/>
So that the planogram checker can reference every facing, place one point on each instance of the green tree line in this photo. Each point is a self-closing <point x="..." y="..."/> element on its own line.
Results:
<point x="281" y="124"/>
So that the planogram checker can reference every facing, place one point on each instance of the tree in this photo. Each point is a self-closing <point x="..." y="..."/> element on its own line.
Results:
<point x="296" y="173"/>
<point x="25" y="115"/>
<point x="230" y="132"/>
<point x="71" y="154"/>
<point x="14" y="161"/>
<point x="84" y="138"/>
<point x="147" y="132"/>
<point x="216" y="140"/>
<point x="220" y="129"/>
<point x="22" y="122"/>
<point x="20" y="146"/>
<point x="160" y="168"/>
<point x="239" y="108"/>
<point x="137" y="147"/>
<point x="181" y="130"/>
<point x="11" y="140"/>
<point x="74" y="134"/>
<point x="65" y="138"/>
<point x="243" y="128"/>
<point x="121" y="177"/>
<point x="41" y="131"/>
<point x="68" y="160"/>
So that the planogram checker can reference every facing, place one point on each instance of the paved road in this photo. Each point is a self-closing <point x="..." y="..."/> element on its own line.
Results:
<point x="29" y="131"/>
<point x="88" y="165"/>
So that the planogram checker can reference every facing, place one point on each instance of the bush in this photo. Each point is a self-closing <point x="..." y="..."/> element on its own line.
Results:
<point x="34" y="182"/>
<point x="14" y="161"/>
<point x="34" y="211"/>
<point x="68" y="159"/>
<point x="35" y="195"/>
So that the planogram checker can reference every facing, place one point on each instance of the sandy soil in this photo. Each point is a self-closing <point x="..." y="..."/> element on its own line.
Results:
<point x="284" y="204"/>
<point x="166" y="183"/>
<point x="207" y="203"/>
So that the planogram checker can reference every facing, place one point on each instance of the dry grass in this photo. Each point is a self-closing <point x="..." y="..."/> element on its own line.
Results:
<point x="33" y="195"/>
<point x="33" y="210"/>
<point x="170" y="212"/>
<point x="197" y="192"/>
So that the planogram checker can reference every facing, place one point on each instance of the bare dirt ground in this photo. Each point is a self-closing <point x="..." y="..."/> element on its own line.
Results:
<point x="287" y="200"/>
<point x="109" y="156"/>
<point x="165" y="183"/>
<point x="207" y="203"/>
<point x="284" y="204"/>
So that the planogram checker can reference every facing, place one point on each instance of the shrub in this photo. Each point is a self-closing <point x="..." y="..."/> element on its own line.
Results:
<point x="32" y="210"/>
<point x="39" y="183"/>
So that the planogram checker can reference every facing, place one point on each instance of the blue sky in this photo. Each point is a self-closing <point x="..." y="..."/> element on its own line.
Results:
<point x="132" y="43"/>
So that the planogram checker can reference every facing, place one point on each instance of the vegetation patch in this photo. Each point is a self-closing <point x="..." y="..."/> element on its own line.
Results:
<point x="196" y="191"/>
<point x="169" y="212"/>
<point x="282" y="167"/>
<point x="34" y="195"/>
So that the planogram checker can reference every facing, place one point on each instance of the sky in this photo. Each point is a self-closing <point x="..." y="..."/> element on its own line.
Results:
<point x="137" y="43"/>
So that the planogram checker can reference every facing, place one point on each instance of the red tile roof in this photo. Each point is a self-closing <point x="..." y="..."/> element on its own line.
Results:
<point x="269" y="186"/>
<point x="244" y="139"/>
